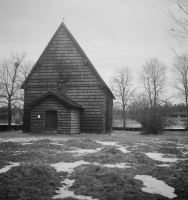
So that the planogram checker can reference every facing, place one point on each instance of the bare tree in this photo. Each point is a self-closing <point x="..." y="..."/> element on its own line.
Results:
<point x="139" y="103"/>
<point x="153" y="80"/>
<point x="11" y="78"/>
<point x="122" y="87"/>
<point x="180" y="77"/>
<point x="179" y="29"/>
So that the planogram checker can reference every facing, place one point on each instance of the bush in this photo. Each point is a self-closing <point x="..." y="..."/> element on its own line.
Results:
<point x="152" y="121"/>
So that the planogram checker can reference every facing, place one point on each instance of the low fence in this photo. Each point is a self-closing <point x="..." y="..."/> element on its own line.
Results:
<point x="140" y="129"/>
<point x="19" y="127"/>
<point x="126" y="129"/>
<point x="12" y="128"/>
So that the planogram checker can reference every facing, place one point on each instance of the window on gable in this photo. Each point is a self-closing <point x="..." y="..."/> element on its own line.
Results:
<point x="61" y="87"/>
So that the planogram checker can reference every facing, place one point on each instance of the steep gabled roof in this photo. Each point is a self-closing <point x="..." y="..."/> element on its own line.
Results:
<point x="81" y="51"/>
<point x="62" y="98"/>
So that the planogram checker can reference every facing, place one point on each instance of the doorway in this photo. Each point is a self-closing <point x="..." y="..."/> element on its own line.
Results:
<point x="51" y="120"/>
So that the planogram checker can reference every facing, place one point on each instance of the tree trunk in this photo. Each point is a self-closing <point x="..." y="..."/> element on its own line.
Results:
<point x="124" y="118"/>
<point x="9" y="114"/>
<point x="187" y="113"/>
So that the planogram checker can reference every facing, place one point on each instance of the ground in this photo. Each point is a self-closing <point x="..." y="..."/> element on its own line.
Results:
<point x="123" y="165"/>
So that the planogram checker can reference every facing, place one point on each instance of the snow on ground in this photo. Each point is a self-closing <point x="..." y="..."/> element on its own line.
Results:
<point x="18" y="152"/>
<point x="108" y="143"/>
<point x="80" y="152"/>
<point x="118" y="165"/>
<point x="29" y="139"/>
<point x="176" y="127"/>
<point x="184" y="147"/>
<point x="124" y="150"/>
<point x="121" y="148"/>
<point x="155" y="186"/>
<point x="26" y="143"/>
<point x="55" y="143"/>
<point x="68" y="167"/>
<point x="159" y="157"/>
<point x="64" y="192"/>
<point x="8" y="167"/>
<point x="163" y="165"/>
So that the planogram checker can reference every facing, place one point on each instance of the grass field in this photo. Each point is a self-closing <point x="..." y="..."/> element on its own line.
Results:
<point x="123" y="165"/>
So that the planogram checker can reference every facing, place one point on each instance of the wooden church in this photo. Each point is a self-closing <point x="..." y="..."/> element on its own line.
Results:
<point x="64" y="92"/>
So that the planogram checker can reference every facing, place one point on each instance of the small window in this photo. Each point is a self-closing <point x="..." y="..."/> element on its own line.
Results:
<point x="61" y="87"/>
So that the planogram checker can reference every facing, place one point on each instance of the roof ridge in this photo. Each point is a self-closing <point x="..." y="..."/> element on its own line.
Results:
<point x="66" y="100"/>
<point x="79" y="48"/>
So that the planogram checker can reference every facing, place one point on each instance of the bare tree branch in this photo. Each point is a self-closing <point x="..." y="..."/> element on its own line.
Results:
<point x="153" y="80"/>
<point x="180" y="77"/>
<point x="179" y="28"/>
<point x="13" y="70"/>
<point x="122" y="87"/>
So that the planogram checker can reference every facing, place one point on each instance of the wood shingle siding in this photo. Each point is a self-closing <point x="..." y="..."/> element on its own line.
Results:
<point x="50" y="103"/>
<point x="63" y="60"/>
<point x="75" y="121"/>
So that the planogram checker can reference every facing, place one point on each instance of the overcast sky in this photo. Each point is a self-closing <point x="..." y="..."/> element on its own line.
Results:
<point x="113" y="33"/>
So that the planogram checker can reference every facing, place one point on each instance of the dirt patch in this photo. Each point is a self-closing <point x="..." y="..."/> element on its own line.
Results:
<point x="30" y="180"/>
<point x="82" y="143"/>
<point x="168" y="150"/>
<point x="110" y="155"/>
<point x="8" y="145"/>
<point x="106" y="155"/>
<point x="108" y="184"/>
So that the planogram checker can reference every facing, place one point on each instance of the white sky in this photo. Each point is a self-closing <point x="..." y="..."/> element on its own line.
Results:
<point x="113" y="33"/>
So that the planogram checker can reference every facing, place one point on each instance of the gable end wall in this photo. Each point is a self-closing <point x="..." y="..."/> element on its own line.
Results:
<point x="62" y="57"/>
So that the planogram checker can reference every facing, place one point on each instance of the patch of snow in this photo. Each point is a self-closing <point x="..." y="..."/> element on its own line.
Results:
<point x="8" y="167"/>
<point x="68" y="167"/>
<point x="118" y="165"/>
<point x="155" y="186"/>
<point x="159" y="157"/>
<point x="80" y="152"/>
<point x="108" y="143"/>
<point x="55" y="143"/>
<point x="124" y="150"/>
<point x="18" y="152"/>
<point x="65" y="192"/>
<point x="141" y="143"/>
<point x="163" y="165"/>
<point x="185" y="152"/>
<point x="182" y="146"/>
<point x="27" y="143"/>
<point x="176" y="127"/>
<point x="29" y="139"/>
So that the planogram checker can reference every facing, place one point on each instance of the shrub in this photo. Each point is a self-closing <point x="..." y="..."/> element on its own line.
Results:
<point x="152" y="121"/>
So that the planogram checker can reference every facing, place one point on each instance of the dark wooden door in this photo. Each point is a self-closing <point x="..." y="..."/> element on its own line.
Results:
<point x="51" y="120"/>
